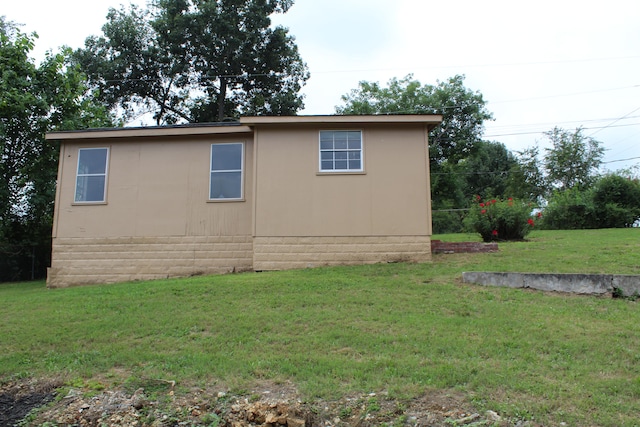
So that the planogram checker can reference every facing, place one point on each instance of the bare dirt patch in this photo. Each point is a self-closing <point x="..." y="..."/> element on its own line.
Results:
<point x="18" y="399"/>
<point x="162" y="404"/>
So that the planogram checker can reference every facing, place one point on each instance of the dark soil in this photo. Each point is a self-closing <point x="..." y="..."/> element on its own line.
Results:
<point x="19" y="399"/>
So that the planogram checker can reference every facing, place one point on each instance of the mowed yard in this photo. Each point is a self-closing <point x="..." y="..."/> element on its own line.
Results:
<point x="403" y="329"/>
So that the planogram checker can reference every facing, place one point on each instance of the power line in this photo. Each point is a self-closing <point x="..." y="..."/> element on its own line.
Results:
<point x="507" y="64"/>
<point x="564" y="95"/>
<point x="615" y="121"/>
<point x="620" y="150"/>
<point x="622" y="160"/>
<point x="504" y="128"/>
<point x="537" y="132"/>
<point x="250" y="75"/>
<point x="516" y="171"/>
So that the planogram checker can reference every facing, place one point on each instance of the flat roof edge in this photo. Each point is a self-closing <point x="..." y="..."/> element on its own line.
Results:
<point x="428" y="119"/>
<point x="243" y="126"/>
<point x="191" y="129"/>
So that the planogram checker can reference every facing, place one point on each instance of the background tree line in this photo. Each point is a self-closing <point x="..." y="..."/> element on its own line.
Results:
<point x="34" y="99"/>
<point x="189" y="61"/>
<point x="564" y="179"/>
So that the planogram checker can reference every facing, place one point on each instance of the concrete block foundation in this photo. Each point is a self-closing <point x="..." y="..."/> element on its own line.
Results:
<point x="281" y="253"/>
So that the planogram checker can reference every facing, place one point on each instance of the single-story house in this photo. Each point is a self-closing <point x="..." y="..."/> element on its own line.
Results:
<point x="263" y="193"/>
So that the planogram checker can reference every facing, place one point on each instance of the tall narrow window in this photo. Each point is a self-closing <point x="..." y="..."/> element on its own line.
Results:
<point x="340" y="151"/>
<point x="91" y="179"/>
<point x="226" y="171"/>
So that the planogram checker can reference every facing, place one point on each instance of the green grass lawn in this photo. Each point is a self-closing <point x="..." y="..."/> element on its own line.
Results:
<point x="402" y="328"/>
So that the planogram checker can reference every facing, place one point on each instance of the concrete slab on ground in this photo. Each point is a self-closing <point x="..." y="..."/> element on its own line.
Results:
<point x="593" y="284"/>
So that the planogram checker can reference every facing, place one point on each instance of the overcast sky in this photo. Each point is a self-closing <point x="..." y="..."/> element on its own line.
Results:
<point x="538" y="64"/>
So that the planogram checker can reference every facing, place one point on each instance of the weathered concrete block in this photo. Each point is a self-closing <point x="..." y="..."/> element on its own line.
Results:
<point x="595" y="284"/>
<point x="575" y="283"/>
<point x="312" y="251"/>
<point x="628" y="285"/>
<point x="510" y="280"/>
<point x="81" y="261"/>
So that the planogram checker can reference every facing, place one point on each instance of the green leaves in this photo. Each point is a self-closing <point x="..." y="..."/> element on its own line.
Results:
<point x="613" y="202"/>
<point x="196" y="61"/>
<point x="573" y="159"/>
<point x="463" y="111"/>
<point x="496" y="219"/>
<point x="34" y="99"/>
<point x="451" y="144"/>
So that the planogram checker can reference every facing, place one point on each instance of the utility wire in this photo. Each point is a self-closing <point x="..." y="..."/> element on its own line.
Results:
<point x="585" y="128"/>
<point x="515" y="171"/>
<point x="506" y="64"/>
<point x="506" y="127"/>
<point x="615" y="121"/>
<point x="249" y="75"/>
<point x="622" y="160"/>
<point x="565" y="95"/>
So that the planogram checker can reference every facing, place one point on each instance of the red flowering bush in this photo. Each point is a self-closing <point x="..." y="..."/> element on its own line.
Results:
<point x="501" y="219"/>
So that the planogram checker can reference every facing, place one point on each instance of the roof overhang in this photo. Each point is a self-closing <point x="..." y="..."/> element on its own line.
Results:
<point x="151" y="131"/>
<point x="245" y="125"/>
<point x="429" y="120"/>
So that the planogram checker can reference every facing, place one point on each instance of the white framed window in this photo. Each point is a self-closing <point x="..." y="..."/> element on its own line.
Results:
<point x="341" y="151"/>
<point x="91" y="176"/>
<point x="227" y="162"/>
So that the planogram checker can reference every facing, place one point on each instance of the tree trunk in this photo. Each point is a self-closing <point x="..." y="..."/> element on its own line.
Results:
<point x="222" y="94"/>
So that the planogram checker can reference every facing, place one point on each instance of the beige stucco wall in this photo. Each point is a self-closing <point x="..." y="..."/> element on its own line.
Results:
<point x="391" y="197"/>
<point x="304" y="218"/>
<point x="157" y="221"/>
<point x="156" y="187"/>
<point x="157" y="192"/>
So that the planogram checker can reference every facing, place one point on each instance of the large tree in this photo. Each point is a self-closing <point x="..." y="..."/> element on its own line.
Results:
<point x="463" y="110"/>
<point x="526" y="179"/>
<point x="488" y="170"/>
<point x="196" y="61"/>
<point x="131" y="73"/>
<point x="34" y="99"/>
<point x="573" y="159"/>
<point x="458" y="137"/>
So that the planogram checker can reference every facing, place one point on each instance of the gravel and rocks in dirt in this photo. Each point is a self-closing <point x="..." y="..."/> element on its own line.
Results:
<point x="31" y="403"/>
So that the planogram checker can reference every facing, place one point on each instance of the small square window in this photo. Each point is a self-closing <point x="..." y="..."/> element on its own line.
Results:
<point x="340" y="151"/>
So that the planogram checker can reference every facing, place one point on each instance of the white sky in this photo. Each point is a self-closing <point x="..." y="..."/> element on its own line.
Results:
<point x="541" y="64"/>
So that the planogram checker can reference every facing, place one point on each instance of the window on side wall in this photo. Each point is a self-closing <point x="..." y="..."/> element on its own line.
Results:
<point x="91" y="177"/>
<point x="227" y="162"/>
<point x="341" y="151"/>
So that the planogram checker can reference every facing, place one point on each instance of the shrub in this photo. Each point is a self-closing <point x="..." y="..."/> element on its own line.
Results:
<point x="497" y="219"/>
<point x="570" y="209"/>
<point x="619" y="198"/>
<point x="613" y="202"/>
<point x="447" y="222"/>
